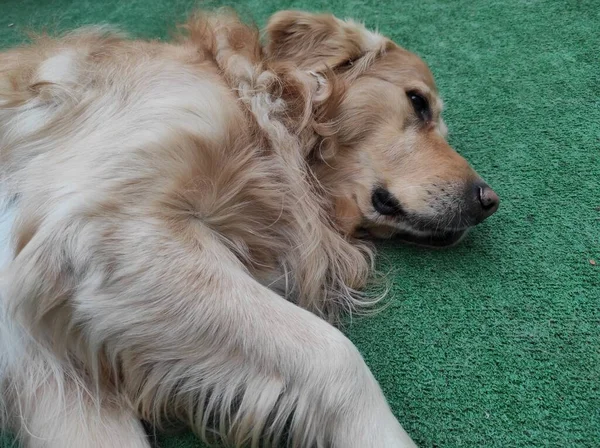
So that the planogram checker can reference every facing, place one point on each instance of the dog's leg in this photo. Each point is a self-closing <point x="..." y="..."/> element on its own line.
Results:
<point x="47" y="404"/>
<point x="190" y="335"/>
<point x="194" y="334"/>
<point x="61" y="415"/>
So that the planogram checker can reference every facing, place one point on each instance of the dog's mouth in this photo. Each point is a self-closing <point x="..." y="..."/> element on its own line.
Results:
<point x="433" y="238"/>
<point x="436" y="240"/>
<point x="415" y="231"/>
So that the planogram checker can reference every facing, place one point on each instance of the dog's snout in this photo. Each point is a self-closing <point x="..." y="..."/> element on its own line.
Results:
<point x="487" y="201"/>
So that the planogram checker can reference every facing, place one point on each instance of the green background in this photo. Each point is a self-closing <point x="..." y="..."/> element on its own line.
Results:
<point x="494" y="343"/>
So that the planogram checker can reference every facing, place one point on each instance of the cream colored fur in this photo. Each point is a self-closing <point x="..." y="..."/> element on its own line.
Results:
<point x="176" y="242"/>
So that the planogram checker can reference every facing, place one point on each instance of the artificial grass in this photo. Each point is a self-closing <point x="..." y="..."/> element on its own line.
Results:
<point x="495" y="343"/>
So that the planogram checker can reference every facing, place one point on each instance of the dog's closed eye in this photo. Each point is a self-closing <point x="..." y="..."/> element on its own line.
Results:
<point x="420" y="105"/>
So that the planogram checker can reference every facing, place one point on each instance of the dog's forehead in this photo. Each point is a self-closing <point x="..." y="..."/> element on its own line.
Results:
<point x="405" y="69"/>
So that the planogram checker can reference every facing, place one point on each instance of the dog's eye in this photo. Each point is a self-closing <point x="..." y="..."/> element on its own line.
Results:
<point x="420" y="105"/>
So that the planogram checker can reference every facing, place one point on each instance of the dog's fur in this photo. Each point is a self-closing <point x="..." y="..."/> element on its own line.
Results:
<point x="183" y="222"/>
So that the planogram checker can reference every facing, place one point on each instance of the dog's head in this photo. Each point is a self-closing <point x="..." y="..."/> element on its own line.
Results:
<point x="384" y="158"/>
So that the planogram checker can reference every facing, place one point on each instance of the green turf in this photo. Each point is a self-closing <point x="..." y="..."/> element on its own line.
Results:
<point x="495" y="343"/>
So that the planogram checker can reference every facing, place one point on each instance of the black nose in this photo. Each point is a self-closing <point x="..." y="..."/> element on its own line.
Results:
<point x="487" y="200"/>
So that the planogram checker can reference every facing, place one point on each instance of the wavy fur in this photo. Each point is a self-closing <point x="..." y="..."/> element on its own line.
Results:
<point x="180" y="236"/>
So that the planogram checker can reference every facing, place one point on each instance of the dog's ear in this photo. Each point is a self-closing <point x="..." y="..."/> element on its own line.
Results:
<point x="320" y="42"/>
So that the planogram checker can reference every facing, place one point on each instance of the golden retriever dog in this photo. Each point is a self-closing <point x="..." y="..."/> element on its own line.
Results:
<point x="185" y="221"/>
